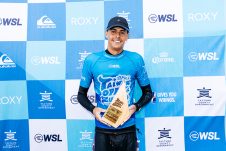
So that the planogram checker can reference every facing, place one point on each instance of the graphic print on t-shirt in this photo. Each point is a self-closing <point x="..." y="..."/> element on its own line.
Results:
<point x="109" y="87"/>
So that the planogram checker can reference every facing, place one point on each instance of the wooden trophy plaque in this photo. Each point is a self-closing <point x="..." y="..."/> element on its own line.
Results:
<point x="118" y="110"/>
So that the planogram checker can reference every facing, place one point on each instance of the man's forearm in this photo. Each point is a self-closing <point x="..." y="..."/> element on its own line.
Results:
<point x="145" y="98"/>
<point x="83" y="99"/>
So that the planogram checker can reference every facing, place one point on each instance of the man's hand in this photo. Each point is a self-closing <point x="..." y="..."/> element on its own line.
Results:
<point x="132" y="109"/>
<point x="96" y="113"/>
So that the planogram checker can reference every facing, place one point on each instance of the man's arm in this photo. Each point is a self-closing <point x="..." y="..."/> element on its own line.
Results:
<point x="145" y="98"/>
<point x="85" y="102"/>
<point x="83" y="99"/>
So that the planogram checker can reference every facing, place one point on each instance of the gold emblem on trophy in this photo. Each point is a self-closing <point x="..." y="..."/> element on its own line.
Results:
<point x="118" y="110"/>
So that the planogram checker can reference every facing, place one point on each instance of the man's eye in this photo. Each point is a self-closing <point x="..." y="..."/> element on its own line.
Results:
<point x="113" y="32"/>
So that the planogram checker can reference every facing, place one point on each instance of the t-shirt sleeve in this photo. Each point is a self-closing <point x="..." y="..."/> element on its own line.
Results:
<point x="86" y="77"/>
<point x="142" y="76"/>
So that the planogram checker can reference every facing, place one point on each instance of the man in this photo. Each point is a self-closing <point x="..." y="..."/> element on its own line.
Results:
<point x="107" y="69"/>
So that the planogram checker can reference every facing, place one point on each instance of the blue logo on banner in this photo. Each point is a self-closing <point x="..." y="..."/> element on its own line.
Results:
<point x="169" y="94"/>
<point x="45" y="58"/>
<point x="47" y="23"/>
<point x="14" y="135"/>
<point x="13" y="100"/>
<point x="153" y="18"/>
<point x="80" y="137"/>
<point x="12" y="60"/>
<point x="127" y="9"/>
<point x="10" y="22"/>
<point x="207" y="135"/>
<point x="47" y="100"/>
<point x="77" y="51"/>
<point x="83" y="23"/>
<point x="163" y="57"/>
<point x="201" y="59"/>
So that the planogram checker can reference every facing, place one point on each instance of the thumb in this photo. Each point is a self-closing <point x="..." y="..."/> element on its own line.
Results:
<point x="102" y="110"/>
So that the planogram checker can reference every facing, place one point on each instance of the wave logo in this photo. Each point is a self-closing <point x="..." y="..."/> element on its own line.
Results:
<point x="45" y="22"/>
<point x="194" y="136"/>
<point x="10" y="22"/>
<point x="153" y="18"/>
<point x="202" y="56"/>
<point x="6" y="62"/>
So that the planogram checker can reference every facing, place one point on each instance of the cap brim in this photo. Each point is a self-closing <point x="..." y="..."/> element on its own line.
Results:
<point x="117" y="26"/>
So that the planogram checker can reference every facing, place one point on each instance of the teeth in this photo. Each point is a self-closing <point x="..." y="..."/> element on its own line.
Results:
<point x="117" y="41"/>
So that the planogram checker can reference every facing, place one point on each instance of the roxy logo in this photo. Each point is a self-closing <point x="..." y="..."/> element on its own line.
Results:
<point x="80" y="21"/>
<point x="10" y="99"/>
<point x="202" y="16"/>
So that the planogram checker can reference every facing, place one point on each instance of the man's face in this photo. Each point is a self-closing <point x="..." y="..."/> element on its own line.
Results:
<point x="117" y="37"/>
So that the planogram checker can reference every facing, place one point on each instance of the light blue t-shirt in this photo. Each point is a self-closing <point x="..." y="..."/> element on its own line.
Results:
<point x="107" y="72"/>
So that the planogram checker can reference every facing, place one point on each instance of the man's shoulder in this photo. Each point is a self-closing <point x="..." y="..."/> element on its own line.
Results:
<point x="94" y="56"/>
<point x="133" y="55"/>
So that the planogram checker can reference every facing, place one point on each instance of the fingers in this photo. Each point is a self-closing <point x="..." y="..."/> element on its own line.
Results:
<point x="132" y="109"/>
<point x="96" y="113"/>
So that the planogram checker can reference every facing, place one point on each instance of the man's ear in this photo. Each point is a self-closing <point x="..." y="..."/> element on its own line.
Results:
<point x="106" y="35"/>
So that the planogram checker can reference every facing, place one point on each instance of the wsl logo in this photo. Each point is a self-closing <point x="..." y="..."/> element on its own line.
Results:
<point x="203" y="136"/>
<point x="43" y="60"/>
<point x="202" y="56"/>
<point x="10" y="22"/>
<point x="74" y="99"/>
<point x="47" y="138"/>
<point x="153" y="18"/>
<point x="6" y="62"/>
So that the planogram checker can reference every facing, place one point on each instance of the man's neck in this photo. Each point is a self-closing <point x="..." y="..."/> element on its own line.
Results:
<point x="113" y="53"/>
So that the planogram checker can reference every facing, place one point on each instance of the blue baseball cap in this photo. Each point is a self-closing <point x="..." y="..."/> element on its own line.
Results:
<point x="118" y="21"/>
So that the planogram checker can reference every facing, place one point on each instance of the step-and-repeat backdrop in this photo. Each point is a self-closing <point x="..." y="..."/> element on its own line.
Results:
<point x="43" y="44"/>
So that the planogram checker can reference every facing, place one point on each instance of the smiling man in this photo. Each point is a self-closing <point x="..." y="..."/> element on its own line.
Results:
<point x="108" y="69"/>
